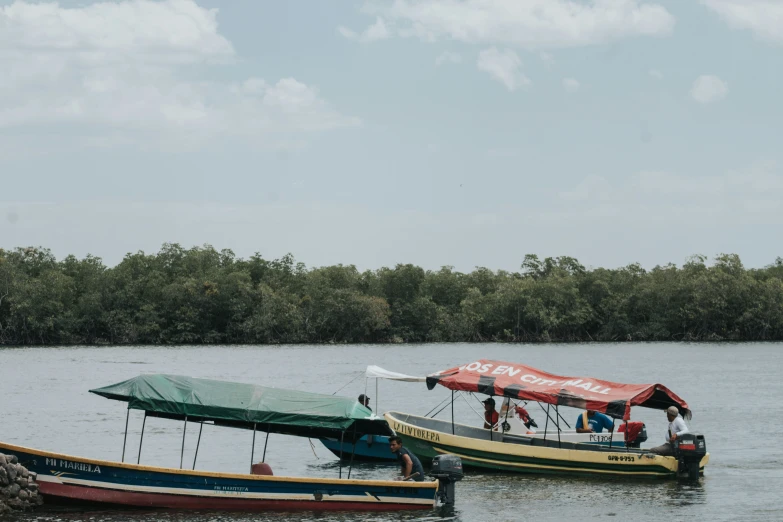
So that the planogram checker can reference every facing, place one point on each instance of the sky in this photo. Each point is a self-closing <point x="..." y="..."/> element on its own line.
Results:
<point x="456" y="133"/>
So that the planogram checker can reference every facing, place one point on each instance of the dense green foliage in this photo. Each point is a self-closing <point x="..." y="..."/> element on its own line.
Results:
<point x="201" y="295"/>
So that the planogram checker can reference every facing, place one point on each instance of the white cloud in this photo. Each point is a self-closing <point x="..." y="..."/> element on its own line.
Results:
<point x="377" y="31"/>
<point x="753" y="194"/>
<point x="347" y="33"/>
<point x="448" y="57"/>
<point x="503" y="66"/>
<point x="528" y="23"/>
<point x="655" y="73"/>
<point x="763" y="17"/>
<point x="118" y="67"/>
<point x="547" y="58"/>
<point x="373" y="33"/>
<point x="760" y="179"/>
<point x="709" y="89"/>
<point x="592" y="187"/>
<point x="570" y="85"/>
<point x="173" y="30"/>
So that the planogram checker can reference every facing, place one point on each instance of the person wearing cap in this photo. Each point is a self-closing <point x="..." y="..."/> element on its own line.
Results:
<point x="491" y="416"/>
<point x="364" y="400"/>
<point x="677" y="427"/>
<point x="591" y="421"/>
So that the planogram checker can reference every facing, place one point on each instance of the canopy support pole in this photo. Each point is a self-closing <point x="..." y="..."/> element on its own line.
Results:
<point x="444" y="403"/>
<point x="546" y="424"/>
<point x="263" y="457"/>
<point x="491" y="426"/>
<point x="127" y="416"/>
<point x="562" y="419"/>
<point x="507" y="402"/>
<point x="557" y="416"/>
<point x="353" y="448"/>
<point x="560" y="416"/>
<point x="253" y="448"/>
<point x="377" y="410"/>
<point x="452" y="412"/>
<point x="342" y="437"/>
<point x="547" y="415"/>
<point x="611" y="434"/>
<point x="182" y="452"/>
<point x="141" y="439"/>
<point x="201" y="427"/>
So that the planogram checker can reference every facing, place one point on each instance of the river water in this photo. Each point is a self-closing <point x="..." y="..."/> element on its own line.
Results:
<point x="734" y="390"/>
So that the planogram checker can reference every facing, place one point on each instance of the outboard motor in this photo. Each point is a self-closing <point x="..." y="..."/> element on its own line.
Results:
<point x="689" y="449"/>
<point x="642" y="437"/>
<point x="448" y="470"/>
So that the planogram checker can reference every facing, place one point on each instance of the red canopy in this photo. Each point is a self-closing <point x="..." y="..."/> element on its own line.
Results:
<point x="524" y="382"/>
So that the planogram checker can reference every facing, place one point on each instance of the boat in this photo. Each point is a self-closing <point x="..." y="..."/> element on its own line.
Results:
<point x="369" y="448"/>
<point x="555" y="451"/>
<point x="67" y="478"/>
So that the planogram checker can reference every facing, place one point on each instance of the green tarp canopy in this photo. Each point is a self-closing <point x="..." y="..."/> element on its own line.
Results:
<point x="247" y="406"/>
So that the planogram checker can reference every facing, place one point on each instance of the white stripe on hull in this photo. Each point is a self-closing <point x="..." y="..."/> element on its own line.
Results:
<point x="367" y="498"/>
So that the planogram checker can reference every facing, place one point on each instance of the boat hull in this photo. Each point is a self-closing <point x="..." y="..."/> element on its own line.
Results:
<point x="69" y="478"/>
<point x="375" y="449"/>
<point x="428" y="441"/>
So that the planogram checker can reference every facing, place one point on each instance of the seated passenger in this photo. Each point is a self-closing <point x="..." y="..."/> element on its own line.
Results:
<point x="591" y="421"/>
<point x="491" y="416"/>
<point x="677" y="427"/>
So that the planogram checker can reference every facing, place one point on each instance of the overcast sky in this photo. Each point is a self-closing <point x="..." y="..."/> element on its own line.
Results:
<point x="434" y="132"/>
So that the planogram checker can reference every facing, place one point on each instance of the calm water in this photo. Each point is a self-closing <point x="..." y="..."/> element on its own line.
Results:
<point x="735" y="391"/>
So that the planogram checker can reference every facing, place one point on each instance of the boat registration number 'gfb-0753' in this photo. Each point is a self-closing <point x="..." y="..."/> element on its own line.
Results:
<point x="622" y="458"/>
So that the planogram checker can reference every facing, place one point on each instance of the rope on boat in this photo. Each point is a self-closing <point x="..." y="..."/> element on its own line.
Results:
<point x="446" y="400"/>
<point x="349" y="382"/>
<point x="312" y="447"/>
<point x="480" y="416"/>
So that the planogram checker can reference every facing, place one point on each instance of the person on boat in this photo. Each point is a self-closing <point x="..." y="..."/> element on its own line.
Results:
<point x="591" y="421"/>
<point x="491" y="416"/>
<point x="364" y="400"/>
<point x="410" y="465"/>
<point x="677" y="428"/>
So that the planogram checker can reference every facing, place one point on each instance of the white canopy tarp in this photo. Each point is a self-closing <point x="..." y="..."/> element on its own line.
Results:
<point x="376" y="372"/>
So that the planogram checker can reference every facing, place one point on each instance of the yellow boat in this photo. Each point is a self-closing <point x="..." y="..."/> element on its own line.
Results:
<point x="503" y="450"/>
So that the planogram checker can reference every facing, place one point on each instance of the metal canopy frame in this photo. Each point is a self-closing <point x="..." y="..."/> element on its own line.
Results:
<point x="252" y="447"/>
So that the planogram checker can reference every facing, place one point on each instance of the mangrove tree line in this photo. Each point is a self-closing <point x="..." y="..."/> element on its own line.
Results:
<point x="201" y="295"/>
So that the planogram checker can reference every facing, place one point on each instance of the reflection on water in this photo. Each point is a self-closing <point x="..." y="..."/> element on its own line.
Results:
<point x="46" y="405"/>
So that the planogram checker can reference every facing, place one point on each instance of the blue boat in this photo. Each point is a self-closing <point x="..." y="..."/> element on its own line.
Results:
<point x="369" y="448"/>
<point x="88" y="481"/>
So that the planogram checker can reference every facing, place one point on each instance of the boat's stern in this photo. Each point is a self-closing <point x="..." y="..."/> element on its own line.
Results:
<point x="690" y="450"/>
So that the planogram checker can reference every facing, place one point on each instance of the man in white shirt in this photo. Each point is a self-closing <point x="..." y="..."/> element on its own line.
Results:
<point x="676" y="428"/>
